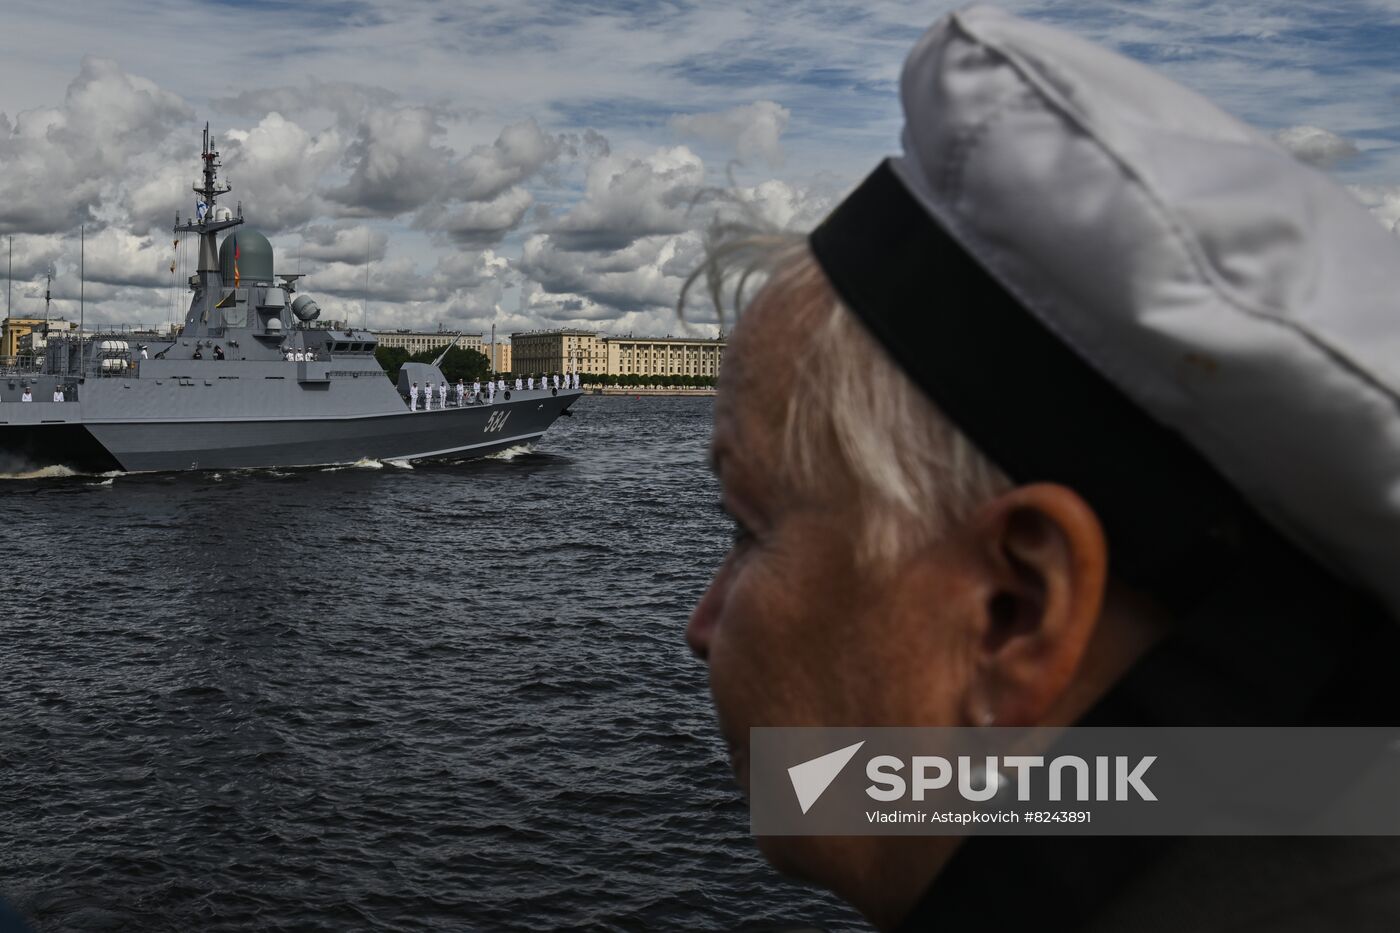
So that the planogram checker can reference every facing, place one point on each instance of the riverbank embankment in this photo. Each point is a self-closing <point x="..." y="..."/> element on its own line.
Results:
<point x="618" y="390"/>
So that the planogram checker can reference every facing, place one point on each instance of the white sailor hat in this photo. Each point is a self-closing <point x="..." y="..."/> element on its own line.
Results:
<point x="1108" y="282"/>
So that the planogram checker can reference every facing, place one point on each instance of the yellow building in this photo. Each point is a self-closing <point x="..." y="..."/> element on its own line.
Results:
<point x="13" y="328"/>
<point x="416" y="341"/>
<point x="559" y="351"/>
<point x="664" y="356"/>
<point x="500" y="356"/>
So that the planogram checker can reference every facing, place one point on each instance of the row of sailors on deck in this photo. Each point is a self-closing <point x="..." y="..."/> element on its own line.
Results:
<point x="299" y="356"/>
<point x="428" y="393"/>
<point x="28" y="394"/>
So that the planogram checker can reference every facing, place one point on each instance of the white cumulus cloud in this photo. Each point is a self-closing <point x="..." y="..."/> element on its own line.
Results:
<point x="753" y="131"/>
<point x="626" y="197"/>
<point x="1315" y="146"/>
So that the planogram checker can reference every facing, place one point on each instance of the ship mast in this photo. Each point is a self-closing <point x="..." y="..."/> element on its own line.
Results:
<point x="206" y="222"/>
<point x="209" y="220"/>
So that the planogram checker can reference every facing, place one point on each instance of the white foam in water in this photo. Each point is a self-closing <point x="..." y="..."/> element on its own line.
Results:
<point x="364" y="463"/>
<point x="106" y="482"/>
<point x="48" y="472"/>
<point x="510" y="453"/>
<point x="400" y="464"/>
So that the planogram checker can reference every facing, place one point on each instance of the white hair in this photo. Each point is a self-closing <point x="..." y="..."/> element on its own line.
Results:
<point x="856" y="422"/>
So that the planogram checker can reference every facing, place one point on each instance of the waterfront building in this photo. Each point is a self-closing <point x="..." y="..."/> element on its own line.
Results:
<point x="34" y="340"/>
<point x="559" y="351"/>
<point x="664" y="356"/>
<point x="417" y="341"/>
<point x="12" y="329"/>
<point x="500" y="355"/>
<point x="549" y="351"/>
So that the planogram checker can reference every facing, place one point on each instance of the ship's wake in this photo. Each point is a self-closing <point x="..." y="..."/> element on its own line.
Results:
<point x="23" y="471"/>
<point x="366" y="463"/>
<point x="18" y="470"/>
<point x="510" y="453"/>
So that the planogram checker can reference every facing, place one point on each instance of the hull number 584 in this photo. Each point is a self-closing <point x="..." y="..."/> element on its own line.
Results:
<point x="496" y="421"/>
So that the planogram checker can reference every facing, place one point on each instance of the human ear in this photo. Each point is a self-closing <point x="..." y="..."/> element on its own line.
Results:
<point x="1043" y="560"/>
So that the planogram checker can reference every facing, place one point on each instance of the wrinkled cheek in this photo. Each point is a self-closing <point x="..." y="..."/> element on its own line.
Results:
<point x="753" y="664"/>
<point x="743" y="672"/>
<point x="730" y="678"/>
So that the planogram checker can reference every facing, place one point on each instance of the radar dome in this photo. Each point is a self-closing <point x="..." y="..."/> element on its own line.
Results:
<point x="250" y="252"/>
<point x="305" y="309"/>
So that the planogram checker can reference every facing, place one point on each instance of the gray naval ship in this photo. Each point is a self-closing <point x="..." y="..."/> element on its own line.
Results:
<point x="252" y="379"/>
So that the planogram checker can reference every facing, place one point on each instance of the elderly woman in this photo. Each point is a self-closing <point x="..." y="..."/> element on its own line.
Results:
<point x="1073" y="414"/>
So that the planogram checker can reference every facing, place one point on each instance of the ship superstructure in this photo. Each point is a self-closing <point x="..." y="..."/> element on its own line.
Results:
<point x="252" y="378"/>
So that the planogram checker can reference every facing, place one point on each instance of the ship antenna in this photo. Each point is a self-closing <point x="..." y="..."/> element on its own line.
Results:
<point x="207" y="223"/>
<point x="212" y="187"/>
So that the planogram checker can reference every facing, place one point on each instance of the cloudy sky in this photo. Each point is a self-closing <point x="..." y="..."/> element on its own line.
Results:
<point x="539" y="164"/>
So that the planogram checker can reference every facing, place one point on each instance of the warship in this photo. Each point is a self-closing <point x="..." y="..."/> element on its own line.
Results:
<point x="251" y="379"/>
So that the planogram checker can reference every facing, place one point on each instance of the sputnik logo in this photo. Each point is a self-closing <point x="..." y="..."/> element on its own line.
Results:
<point x="811" y="778"/>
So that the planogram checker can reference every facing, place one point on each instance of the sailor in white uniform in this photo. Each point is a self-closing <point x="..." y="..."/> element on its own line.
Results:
<point x="442" y="394"/>
<point x="519" y="383"/>
<point x="28" y="396"/>
<point x="476" y="390"/>
<point x="413" y="397"/>
<point x="58" y="394"/>
<point x="461" y="392"/>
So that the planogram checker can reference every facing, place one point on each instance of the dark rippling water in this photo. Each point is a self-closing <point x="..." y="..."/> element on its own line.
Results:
<point x="451" y="697"/>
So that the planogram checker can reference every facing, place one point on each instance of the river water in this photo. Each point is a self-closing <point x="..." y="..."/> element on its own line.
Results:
<point x="452" y="697"/>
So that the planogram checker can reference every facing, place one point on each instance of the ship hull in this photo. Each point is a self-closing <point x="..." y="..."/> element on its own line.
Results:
<point x="24" y="447"/>
<point x="233" y="443"/>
